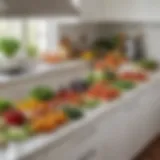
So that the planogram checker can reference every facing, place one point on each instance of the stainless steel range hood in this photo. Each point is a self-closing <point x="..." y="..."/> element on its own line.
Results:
<point x="40" y="8"/>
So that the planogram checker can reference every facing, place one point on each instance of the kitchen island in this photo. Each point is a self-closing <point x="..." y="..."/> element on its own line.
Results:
<point x="115" y="130"/>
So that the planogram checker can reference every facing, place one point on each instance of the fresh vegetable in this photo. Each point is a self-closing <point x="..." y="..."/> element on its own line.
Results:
<point x="42" y="93"/>
<point x="123" y="84"/>
<point x="3" y="138"/>
<point x="2" y="123"/>
<point x="103" y="92"/>
<point x="110" y="76"/>
<point x="63" y="92"/>
<point x="79" y="86"/>
<point x="14" y="117"/>
<point x="91" y="103"/>
<point x="148" y="64"/>
<point x="5" y="105"/>
<point x="17" y="133"/>
<point x="9" y="46"/>
<point x="95" y="77"/>
<point x="88" y="55"/>
<point x="133" y="76"/>
<point x="28" y="104"/>
<point x="73" y="113"/>
<point x="48" y="121"/>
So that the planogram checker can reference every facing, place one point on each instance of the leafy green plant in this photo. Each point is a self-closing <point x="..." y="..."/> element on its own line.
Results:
<point x="9" y="46"/>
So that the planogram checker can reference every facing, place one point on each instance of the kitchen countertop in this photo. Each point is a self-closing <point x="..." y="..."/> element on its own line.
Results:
<point x="38" y="70"/>
<point x="17" y="151"/>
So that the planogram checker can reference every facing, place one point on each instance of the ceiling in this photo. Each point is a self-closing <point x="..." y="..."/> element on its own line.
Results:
<point x="39" y="8"/>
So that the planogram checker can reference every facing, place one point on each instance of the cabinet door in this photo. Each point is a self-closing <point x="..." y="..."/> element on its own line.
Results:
<point x="78" y="146"/>
<point x="113" y="135"/>
<point x="146" y="120"/>
<point x="126" y="132"/>
<point x="123" y="10"/>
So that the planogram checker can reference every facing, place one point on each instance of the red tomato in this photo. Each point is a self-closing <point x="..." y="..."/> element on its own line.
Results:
<point x="111" y="94"/>
<point x="133" y="76"/>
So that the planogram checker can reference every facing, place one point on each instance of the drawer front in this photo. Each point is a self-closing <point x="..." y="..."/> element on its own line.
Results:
<point x="69" y="148"/>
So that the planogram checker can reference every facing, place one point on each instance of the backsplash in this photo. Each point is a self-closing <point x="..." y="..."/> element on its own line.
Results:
<point x="74" y="31"/>
<point x="151" y="33"/>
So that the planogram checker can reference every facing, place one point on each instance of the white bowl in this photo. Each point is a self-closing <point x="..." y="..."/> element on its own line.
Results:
<point x="17" y="62"/>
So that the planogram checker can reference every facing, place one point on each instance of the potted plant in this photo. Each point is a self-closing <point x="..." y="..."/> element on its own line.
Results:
<point x="32" y="51"/>
<point x="9" y="47"/>
<point x="9" y="53"/>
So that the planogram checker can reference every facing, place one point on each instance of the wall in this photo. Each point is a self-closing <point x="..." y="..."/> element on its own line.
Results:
<point x="150" y="31"/>
<point x="75" y="30"/>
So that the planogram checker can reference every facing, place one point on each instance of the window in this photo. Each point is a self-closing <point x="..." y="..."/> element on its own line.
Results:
<point x="42" y="33"/>
<point x="11" y="27"/>
<point x="30" y="32"/>
<point x="37" y="33"/>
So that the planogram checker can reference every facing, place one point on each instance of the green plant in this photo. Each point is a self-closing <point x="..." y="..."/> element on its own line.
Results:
<point x="9" y="46"/>
<point x="32" y="50"/>
<point x="101" y="45"/>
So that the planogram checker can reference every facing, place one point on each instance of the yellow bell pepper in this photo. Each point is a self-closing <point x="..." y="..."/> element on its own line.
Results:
<point x="87" y="55"/>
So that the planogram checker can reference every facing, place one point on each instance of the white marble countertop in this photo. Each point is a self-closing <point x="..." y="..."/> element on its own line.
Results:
<point x="39" y="69"/>
<point x="17" y="151"/>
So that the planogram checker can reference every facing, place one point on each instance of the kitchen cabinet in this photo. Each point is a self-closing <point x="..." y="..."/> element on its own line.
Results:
<point x="120" y="11"/>
<point x="129" y="130"/>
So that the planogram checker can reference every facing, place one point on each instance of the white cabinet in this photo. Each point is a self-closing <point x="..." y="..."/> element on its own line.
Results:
<point x="123" y="10"/>
<point x="115" y="133"/>
<point x="126" y="132"/>
<point x="81" y="145"/>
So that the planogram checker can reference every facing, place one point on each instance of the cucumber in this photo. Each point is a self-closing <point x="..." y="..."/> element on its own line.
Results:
<point x="73" y="113"/>
<point x="124" y="85"/>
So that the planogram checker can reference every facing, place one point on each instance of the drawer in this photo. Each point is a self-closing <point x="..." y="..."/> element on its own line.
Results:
<point x="69" y="148"/>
